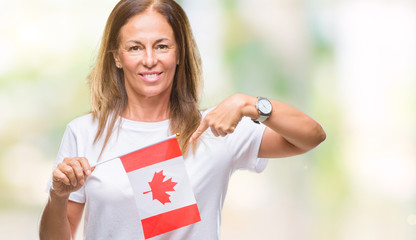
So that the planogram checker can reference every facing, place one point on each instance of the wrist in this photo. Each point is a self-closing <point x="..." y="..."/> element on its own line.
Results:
<point x="264" y="108"/>
<point x="249" y="107"/>
<point x="54" y="196"/>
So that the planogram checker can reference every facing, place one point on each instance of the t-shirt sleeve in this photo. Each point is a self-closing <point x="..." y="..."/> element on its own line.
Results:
<point x="69" y="149"/>
<point x="245" y="144"/>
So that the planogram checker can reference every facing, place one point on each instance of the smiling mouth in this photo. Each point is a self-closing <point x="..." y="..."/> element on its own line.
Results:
<point x="150" y="77"/>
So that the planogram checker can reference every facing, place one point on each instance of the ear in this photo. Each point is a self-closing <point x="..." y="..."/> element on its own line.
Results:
<point x="116" y="56"/>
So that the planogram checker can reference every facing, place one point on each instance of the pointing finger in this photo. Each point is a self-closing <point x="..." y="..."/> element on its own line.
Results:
<point x="203" y="126"/>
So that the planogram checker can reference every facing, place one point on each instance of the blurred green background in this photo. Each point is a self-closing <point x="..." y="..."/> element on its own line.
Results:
<point x="351" y="65"/>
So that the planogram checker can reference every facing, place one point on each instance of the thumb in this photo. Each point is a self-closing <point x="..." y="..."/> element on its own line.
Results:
<point x="88" y="172"/>
<point x="203" y="126"/>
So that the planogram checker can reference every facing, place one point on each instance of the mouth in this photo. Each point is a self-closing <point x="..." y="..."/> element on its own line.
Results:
<point x="150" y="76"/>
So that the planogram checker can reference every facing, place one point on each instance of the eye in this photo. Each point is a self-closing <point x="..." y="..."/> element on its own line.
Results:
<point x="162" y="47"/>
<point x="134" y="48"/>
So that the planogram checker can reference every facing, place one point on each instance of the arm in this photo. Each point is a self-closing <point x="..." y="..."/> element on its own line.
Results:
<point x="61" y="217"/>
<point x="289" y="131"/>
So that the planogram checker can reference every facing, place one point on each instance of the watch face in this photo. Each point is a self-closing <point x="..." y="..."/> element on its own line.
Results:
<point x="264" y="106"/>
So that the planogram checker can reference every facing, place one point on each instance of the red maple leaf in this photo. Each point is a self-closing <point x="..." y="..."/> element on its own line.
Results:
<point x="159" y="187"/>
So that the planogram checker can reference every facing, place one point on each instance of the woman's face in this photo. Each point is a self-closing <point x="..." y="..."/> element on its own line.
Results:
<point x="148" y="55"/>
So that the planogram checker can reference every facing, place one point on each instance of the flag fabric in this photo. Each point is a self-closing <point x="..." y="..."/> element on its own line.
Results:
<point x="161" y="186"/>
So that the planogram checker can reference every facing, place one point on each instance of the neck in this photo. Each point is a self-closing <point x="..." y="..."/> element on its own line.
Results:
<point x="150" y="109"/>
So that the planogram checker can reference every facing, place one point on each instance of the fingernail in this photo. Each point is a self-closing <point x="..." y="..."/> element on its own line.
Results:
<point x="81" y="182"/>
<point x="88" y="172"/>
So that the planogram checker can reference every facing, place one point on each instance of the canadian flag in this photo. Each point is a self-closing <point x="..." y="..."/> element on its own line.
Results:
<point x="161" y="186"/>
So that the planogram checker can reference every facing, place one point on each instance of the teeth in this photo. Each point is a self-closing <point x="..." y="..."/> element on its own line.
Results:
<point x="150" y="76"/>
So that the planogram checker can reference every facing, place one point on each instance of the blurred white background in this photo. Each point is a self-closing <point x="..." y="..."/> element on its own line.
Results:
<point x="349" y="64"/>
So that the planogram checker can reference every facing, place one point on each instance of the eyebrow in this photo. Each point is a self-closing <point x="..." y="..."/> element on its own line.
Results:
<point x="157" y="41"/>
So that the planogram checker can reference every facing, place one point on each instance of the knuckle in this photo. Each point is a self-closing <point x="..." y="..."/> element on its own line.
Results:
<point x="59" y="166"/>
<point x="209" y="120"/>
<point x="55" y="174"/>
<point x="77" y="171"/>
<point x="74" y="163"/>
<point x="222" y="127"/>
<point x="80" y="174"/>
<point x="213" y="125"/>
<point x="67" y="169"/>
<point x="84" y="161"/>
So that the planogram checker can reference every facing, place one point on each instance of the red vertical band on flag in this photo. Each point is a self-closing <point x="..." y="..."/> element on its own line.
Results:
<point x="170" y="221"/>
<point x="151" y="155"/>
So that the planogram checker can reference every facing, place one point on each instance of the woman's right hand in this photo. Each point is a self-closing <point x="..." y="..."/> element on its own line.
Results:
<point x="70" y="175"/>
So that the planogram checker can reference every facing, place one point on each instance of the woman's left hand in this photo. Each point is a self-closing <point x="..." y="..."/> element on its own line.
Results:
<point x="223" y="119"/>
<point x="288" y="131"/>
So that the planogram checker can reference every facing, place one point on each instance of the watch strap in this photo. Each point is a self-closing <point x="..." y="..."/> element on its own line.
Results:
<point x="262" y="118"/>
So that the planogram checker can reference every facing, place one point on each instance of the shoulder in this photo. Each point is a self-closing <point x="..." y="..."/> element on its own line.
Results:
<point x="83" y="123"/>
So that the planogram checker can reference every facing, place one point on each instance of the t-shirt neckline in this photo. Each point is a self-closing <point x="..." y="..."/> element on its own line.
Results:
<point x="131" y="124"/>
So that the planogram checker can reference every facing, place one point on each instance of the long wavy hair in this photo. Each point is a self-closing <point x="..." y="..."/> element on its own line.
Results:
<point x="108" y="93"/>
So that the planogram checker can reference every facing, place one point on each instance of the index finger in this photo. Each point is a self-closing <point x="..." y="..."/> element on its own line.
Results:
<point x="203" y="126"/>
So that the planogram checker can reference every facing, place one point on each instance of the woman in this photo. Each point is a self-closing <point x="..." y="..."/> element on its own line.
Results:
<point x="144" y="88"/>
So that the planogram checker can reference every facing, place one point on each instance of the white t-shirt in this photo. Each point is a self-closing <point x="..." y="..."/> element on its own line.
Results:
<point x="110" y="210"/>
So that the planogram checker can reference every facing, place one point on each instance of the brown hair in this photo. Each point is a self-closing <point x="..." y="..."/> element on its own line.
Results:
<point x="108" y="93"/>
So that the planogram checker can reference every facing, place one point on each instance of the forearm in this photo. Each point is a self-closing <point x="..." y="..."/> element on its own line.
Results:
<point x="54" y="222"/>
<point x="294" y="126"/>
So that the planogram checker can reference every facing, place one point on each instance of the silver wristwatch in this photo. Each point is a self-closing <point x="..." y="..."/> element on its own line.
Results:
<point x="264" y="107"/>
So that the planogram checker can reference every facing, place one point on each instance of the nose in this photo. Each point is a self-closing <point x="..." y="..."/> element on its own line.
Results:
<point x="150" y="59"/>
